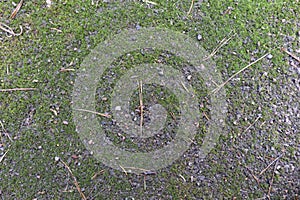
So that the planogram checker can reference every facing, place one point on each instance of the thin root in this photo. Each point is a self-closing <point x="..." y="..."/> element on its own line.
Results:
<point x="9" y="30"/>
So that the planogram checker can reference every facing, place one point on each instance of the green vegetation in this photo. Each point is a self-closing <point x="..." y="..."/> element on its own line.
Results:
<point x="40" y="121"/>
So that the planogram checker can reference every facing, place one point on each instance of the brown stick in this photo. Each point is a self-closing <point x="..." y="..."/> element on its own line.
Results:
<point x="249" y="65"/>
<point x="270" y="165"/>
<point x="17" y="89"/>
<point x="75" y="180"/>
<point x="16" y="10"/>
<point x="291" y="54"/>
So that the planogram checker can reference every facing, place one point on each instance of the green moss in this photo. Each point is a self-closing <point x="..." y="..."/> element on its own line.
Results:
<point x="61" y="37"/>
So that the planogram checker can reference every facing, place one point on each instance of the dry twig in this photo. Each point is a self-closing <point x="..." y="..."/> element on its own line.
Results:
<point x="249" y="65"/>
<point x="272" y="180"/>
<point x="289" y="53"/>
<point x="4" y="131"/>
<point x="16" y="10"/>
<point x="184" y="87"/>
<point x="220" y="45"/>
<point x="270" y="164"/>
<point x="2" y="157"/>
<point x="97" y="174"/>
<point x="123" y="169"/>
<point x="191" y="7"/>
<point x="66" y="70"/>
<point x="75" y="180"/>
<point x="141" y="106"/>
<point x="17" y="89"/>
<point x="56" y="29"/>
<point x="250" y="125"/>
<point x="97" y="113"/>
<point x="255" y="178"/>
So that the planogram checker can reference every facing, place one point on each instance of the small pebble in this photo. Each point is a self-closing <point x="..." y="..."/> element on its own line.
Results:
<point x="161" y="73"/>
<point x="118" y="108"/>
<point x="269" y="56"/>
<point x="199" y="37"/>
<point x="138" y="27"/>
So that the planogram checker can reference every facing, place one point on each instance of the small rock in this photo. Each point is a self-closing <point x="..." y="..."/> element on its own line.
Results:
<point x="199" y="37"/>
<point x="269" y="56"/>
<point x="118" y="108"/>
<point x="49" y="3"/>
<point x="138" y="27"/>
<point x="161" y="73"/>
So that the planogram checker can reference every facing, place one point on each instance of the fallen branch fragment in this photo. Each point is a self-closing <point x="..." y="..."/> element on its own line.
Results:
<point x="16" y="10"/>
<point x="223" y="84"/>
<point x="75" y="180"/>
<point x="289" y="53"/>
<point x="17" y="89"/>
<point x="97" y="113"/>
<point x="270" y="164"/>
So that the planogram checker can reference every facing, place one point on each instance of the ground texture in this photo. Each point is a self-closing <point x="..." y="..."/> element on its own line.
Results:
<point x="257" y="156"/>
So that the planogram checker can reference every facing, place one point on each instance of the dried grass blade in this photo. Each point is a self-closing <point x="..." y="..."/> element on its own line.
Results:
<point x="14" y="13"/>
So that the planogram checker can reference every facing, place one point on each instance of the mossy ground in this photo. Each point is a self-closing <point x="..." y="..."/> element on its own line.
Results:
<point x="40" y="122"/>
